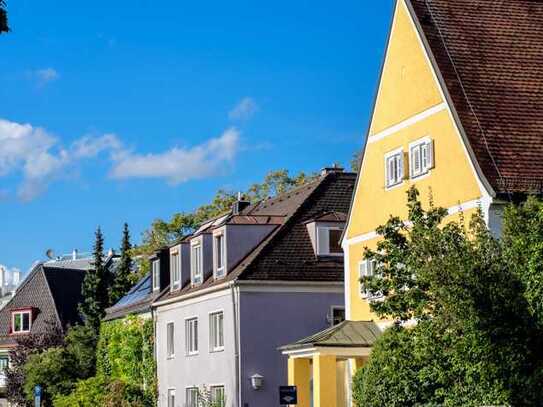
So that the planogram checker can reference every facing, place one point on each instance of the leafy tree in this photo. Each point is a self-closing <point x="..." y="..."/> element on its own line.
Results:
<point x="26" y="346"/>
<point x="355" y="161"/>
<point x="475" y="341"/>
<point x="58" y="368"/>
<point x="122" y="279"/>
<point x="523" y="245"/>
<point x="95" y="288"/>
<point x="3" y="17"/>
<point x="54" y="370"/>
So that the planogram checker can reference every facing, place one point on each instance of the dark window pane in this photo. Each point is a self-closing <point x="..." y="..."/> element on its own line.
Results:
<point x="335" y="236"/>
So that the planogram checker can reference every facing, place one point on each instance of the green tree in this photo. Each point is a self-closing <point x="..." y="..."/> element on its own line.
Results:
<point x="95" y="288"/>
<point x="523" y="245"/>
<point x="475" y="341"/>
<point x="122" y="279"/>
<point x="3" y="17"/>
<point x="27" y="345"/>
<point x="57" y="369"/>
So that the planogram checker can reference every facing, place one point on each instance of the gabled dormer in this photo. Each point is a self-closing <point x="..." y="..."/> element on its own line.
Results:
<point x="325" y="231"/>
<point x="201" y="257"/>
<point x="160" y="269"/>
<point x="179" y="265"/>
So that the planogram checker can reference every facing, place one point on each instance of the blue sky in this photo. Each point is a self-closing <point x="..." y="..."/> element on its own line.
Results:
<point x="115" y="111"/>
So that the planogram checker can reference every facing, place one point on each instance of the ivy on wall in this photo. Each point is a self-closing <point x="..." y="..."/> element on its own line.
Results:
<point x="125" y="352"/>
<point x="125" y="368"/>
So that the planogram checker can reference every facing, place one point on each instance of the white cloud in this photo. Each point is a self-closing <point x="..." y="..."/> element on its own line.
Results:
<point x="244" y="110"/>
<point x="40" y="158"/>
<point x="180" y="164"/>
<point x="44" y="76"/>
<point x="92" y="146"/>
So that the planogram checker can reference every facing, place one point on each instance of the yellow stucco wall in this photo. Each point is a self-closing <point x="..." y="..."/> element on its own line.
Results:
<point x="407" y="88"/>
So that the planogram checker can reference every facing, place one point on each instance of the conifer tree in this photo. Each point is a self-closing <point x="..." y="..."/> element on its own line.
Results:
<point x="95" y="289"/>
<point x="121" y="280"/>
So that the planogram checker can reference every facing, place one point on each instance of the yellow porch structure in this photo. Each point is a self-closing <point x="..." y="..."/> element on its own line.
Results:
<point x="321" y="366"/>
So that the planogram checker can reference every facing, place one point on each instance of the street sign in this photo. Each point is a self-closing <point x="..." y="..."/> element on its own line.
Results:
<point x="288" y="395"/>
<point x="37" y="395"/>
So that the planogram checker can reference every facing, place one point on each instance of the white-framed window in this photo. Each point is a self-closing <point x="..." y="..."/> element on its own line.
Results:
<point x="156" y="275"/>
<point x="394" y="168"/>
<point x="216" y="331"/>
<point x="21" y="321"/>
<point x="421" y="157"/>
<point x="175" y="270"/>
<point x="191" y="336"/>
<point x="329" y="241"/>
<point x="171" y="398"/>
<point x="4" y="364"/>
<point x="191" y="397"/>
<point x="219" y="248"/>
<point x="196" y="266"/>
<point x="366" y="269"/>
<point x="217" y="396"/>
<point x="337" y="314"/>
<point x="170" y="340"/>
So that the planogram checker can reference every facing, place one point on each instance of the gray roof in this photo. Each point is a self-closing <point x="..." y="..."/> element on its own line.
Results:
<point x="345" y="334"/>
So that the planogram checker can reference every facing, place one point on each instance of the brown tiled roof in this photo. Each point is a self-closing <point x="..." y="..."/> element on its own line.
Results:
<point x="52" y="292"/>
<point x="490" y="57"/>
<point x="287" y="254"/>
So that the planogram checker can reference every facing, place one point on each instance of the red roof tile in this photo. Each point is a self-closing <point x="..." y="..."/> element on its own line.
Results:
<point x="490" y="55"/>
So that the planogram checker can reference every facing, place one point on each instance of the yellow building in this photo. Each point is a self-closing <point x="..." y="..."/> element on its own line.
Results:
<point x="458" y="113"/>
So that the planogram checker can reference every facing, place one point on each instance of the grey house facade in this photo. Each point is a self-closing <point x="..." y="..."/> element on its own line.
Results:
<point x="243" y="285"/>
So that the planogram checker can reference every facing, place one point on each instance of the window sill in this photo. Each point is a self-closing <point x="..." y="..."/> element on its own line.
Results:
<point x="19" y="333"/>
<point x="419" y="176"/>
<point x="170" y="357"/>
<point x="217" y="350"/>
<point x="393" y="186"/>
<point x="192" y="354"/>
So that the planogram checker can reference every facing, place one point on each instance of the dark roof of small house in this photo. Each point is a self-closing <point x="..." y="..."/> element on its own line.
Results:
<point x="489" y="54"/>
<point x="329" y="217"/>
<point x="53" y="292"/>
<point x="137" y="301"/>
<point x="345" y="334"/>
<point x="287" y="254"/>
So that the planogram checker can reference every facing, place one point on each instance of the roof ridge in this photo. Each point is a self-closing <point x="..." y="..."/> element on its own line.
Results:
<point x="270" y="238"/>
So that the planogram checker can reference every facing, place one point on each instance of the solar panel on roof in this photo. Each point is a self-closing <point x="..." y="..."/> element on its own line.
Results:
<point x="138" y="293"/>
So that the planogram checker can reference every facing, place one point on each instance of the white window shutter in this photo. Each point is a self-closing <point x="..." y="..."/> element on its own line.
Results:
<point x="400" y="165"/>
<point x="429" y="155"/>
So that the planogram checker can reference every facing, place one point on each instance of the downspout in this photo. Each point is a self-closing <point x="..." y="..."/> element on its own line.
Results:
<point x="235" y="314"/>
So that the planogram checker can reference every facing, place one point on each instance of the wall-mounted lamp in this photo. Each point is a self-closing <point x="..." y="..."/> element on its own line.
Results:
<point x="257" y="381"/>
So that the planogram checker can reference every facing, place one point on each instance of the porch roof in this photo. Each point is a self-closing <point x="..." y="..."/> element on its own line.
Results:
<point x="347" y="334"/>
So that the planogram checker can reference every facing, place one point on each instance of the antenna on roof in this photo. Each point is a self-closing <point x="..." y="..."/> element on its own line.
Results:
<point x="50" y="253"/>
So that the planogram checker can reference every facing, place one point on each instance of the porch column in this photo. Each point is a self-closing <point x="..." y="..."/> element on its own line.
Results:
<point x="324" y="381"/>
<point x="299" y="375"/>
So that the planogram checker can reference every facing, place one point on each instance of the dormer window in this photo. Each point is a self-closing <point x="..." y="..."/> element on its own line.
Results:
<point x="196" y="266"/>
<point x="21" y="321"/>
<point x="328" y="241"/>
<point x="175" y="269"/>
<point x="219" y="249"/>
<point x="156" y="275"/>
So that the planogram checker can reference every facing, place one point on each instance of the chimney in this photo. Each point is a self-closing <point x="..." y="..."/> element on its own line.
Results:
<point x="329" y="170"/>
<point x="74" y="254"/>
<point x="239" y="205"/>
